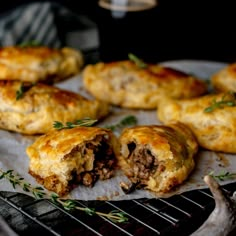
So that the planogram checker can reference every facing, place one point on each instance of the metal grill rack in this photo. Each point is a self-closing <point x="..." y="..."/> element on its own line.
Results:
<point x="181" y="214"/>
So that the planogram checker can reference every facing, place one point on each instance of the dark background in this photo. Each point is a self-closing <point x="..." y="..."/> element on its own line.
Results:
<point x="180" y="29"/>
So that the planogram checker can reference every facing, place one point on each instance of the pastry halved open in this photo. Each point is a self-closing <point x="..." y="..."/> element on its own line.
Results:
<point x="157" y="158"/>
<point x="62" y="159"/>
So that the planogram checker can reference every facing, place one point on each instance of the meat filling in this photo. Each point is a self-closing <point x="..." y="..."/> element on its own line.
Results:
<point x="144" y="162"/>
<point x="103" y="161"/>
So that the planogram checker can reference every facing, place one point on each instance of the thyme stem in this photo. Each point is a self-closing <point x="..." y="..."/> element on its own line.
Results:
<point x="115" y="216"/>
<point x="140" y="63"/>
<point x="126" y="121"/>
<point x="223" y="175"/>
<point x="39" y="193"/>
<point x="227" y="99"/>
<point x="69" y="125"/>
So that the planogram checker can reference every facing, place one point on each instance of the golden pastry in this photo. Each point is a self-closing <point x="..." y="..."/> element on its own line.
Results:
<point x="212" y="118"/>
<point x="62" y="159"/>
<point x="125" y="84"/>
<point x="32" y="109"/>
<point x="33" y="64"/>
<point x="225" y="79"/>
<point x="157" y="157"/>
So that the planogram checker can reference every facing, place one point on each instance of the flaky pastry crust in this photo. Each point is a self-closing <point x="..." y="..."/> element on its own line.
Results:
<point x="157" y="157"/>
<point x="33" y="64"/>
<point x="225" y="79"/>
<point x="40" y="105"/>
<point x="62" y="159"/>
<point x="215" y="130"/>
<point x="125" y="84"/>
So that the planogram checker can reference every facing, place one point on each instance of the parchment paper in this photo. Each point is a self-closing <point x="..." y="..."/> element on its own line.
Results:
<point x="13" y="145"/>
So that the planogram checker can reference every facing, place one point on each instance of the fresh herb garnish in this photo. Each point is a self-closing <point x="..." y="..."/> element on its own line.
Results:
<point x="39" y="193"/>
<point x="16" y="180"/>
<point x="223" y="175"/>
<point x="20" y="92"/>
<point x="139" y="62"/>
<point x="227" y="99"/>
<point x="32" y="43"/>
<point x="22" y="89"/>
<point x="127" y="121"/>
<point x="69" y="125"/>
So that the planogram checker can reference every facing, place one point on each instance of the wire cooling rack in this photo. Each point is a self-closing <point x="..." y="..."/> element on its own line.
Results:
<point x="181" y="214"/>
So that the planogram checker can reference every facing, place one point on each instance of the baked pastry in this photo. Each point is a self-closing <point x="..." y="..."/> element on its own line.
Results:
<point x="33" y="108"/>
<point x="225" y="79"/>
<point x="157" y="157"/>
<point x="125" y="84"/>
<point x="62" y="159"/>
<point x="212" y="118"/>
<point x="33" y="64"/>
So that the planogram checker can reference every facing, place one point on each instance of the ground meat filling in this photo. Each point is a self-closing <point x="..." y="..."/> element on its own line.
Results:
<point x="144" y="162"/>
<point x="104" y="162"/>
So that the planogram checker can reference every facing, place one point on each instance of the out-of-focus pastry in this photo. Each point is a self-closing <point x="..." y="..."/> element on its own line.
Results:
<point x="225" y="79"/>
<point x="212" y="118"/>
<point x="33" y="108"/>
<point x="62" y="159"/>
<point x="129" y="85"/>
<point x="33" y="64"/>
<point x="157" y="157"/>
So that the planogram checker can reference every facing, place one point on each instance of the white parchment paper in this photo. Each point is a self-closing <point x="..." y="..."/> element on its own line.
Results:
<point x="13" y="145"/>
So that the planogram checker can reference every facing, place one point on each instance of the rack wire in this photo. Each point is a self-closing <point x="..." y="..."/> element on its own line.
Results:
<point x="181" y="214"/>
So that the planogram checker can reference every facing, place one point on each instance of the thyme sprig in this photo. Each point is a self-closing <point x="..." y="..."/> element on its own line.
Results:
<point x="139" y="62"/>
<point x="222" y="175"/>
<point x="227" y="99"/>
<point x="22" y="89"/>
<point x="115" y="216"/>
<point x="69" y="125"/>
<point x="32" y="43"/>
<point x="67" y="204"/>
<point x="126" y="121"/>
<point x="20" y="92"/>
<point x="16" y="180"/>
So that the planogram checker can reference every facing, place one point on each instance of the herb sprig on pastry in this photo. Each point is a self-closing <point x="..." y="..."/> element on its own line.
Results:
<point x="35" y="111"/>
<point x="157" y="158"/>
<point x="39" y="63"/>
<point x="65" y="158"/>
<point x="126" y="84"/>
<point x="212" y="118"/>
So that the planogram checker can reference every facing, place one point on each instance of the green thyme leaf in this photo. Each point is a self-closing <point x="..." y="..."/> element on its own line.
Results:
<point x="126" y="121"/>
<point x="227" y="99"/>
<point x="69" y="205"/>
<point x="20" y="92"/>
<point x="69" y="125"/>
<point x="22" y="89"/>
<point x="140" y="63"/>
<point x="222" y="175"/>
<point x="121" y="216"/>
<point x="32" y="43"/>
<point x="58" y="125"/>
<point x="90" y="211"/>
